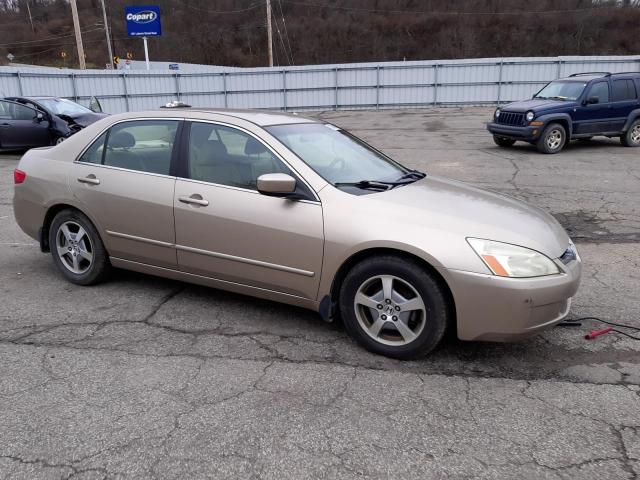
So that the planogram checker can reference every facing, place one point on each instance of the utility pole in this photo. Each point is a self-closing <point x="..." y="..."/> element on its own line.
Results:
<point x="106" y="31"/>
<point x="30" y="18"/>
<point x="270" y="33"/>
<point x="76" y="27"/>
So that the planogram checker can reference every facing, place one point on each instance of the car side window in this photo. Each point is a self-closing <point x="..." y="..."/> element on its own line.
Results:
<point x="94" y="153"/>
<point x="15" y="111"/>
<point x="600" y="90"/>
<point x="141" y="145"/>
<point x="623" y="90"/>
<point x="227" y="156"/>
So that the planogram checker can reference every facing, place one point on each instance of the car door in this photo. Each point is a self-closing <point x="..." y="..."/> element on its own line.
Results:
<point x="124" y="181"/>
<point x="624" y="99"/>
<point x="226" y="230"/>
<point x="594" y="117"/>
<point x="22" y="127"/>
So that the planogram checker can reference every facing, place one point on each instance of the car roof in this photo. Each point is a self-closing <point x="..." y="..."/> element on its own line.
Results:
<point x="262" y="118"/>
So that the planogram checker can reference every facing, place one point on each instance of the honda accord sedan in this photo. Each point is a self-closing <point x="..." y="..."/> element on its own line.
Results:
<point x="302" y="212"/>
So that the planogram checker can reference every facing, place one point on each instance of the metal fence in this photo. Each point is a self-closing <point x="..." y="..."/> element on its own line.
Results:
<point x="348" y="86"/>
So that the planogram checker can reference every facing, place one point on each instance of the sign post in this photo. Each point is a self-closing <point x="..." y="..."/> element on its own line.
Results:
<point x="143" y="21"/>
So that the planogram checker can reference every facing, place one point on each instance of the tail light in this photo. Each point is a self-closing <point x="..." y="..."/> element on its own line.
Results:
<point x="19" y="176"/>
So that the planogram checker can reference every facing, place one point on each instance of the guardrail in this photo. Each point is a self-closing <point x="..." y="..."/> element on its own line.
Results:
<point x="371" y="86"/>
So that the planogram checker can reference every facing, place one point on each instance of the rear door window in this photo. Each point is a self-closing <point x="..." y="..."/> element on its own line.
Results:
<point x="623" y="90"/>
<point x="141" y="145"/>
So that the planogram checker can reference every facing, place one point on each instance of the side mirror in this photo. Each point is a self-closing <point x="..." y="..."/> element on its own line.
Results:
<point x="39" y="117"/>
<point x="592" y="100"/>
<point x="277" y="185"/>
<point x="94" y="105"/>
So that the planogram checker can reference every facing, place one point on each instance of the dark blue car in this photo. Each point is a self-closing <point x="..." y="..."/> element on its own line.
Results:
<point x="580" y="106"/>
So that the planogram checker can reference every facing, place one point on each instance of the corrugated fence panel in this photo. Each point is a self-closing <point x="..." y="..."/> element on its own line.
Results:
<point x="44" y="85"/>
<point x="201" y="83"/>
<point x="365" y="85"/>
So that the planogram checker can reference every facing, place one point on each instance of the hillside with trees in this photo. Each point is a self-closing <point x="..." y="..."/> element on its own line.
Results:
<point x="233" y="32"/>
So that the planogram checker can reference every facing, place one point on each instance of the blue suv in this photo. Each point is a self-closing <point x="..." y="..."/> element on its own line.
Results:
<point x="577" y="107"/>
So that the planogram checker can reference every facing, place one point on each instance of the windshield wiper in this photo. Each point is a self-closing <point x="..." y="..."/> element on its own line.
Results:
<point x="412" y="175"/>
<point x="370" y="184"/>
<point x="557" y="97"/>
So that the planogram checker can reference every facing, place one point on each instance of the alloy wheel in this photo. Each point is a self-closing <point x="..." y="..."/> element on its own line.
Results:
<point x="390" y="310"/>
<point x="74" y="247"/>
<point x="554" y="139"/>
<point x="635" y="134"/>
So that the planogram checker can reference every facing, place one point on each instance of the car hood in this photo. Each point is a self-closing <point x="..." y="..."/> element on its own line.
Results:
<point x="84" y="119"/>
<point x="472" y="212"/>
<point x="535" y="105"/>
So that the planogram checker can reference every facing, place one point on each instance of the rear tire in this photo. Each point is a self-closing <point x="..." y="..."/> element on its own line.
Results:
<point x="552" y="140"/>
<point x="631" y="138"/>
<point x="394" y="307"/>
<point x="77" y="249"/>
<point x="503" y="142"/>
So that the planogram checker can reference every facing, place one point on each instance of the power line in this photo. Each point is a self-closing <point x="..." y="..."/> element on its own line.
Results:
<point x="56" y="37"/>
<point x="198" y="9"/>
<point x="286" y="33"/>
<point x="436" y="12"/>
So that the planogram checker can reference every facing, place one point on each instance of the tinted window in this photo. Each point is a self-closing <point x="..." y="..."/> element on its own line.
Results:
<point x="94" y="153"/>
<point x="227" y="156"/>
<point x="600" y="90"/>
<point x="623" y="90"/>
<point x="143" y="145"/>
<point x="15" y="111"/>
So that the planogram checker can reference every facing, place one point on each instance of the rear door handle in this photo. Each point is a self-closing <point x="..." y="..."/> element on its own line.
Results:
<point x="90" y="179"/>
<point x="194" y="199"/>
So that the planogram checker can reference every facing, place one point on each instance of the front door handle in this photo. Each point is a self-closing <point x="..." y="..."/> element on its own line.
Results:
<point x="90" y="179"/>
<point x="194" y="199"/>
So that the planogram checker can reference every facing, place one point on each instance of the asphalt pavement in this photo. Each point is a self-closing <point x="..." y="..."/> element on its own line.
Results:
<point x="142" y="377"/>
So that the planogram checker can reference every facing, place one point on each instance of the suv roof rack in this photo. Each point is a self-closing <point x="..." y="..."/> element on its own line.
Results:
<point x="626" y="73"/>
<point x="604" y="74"/>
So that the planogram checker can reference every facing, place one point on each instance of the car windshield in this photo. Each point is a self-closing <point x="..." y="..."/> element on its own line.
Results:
<point x="336" y="155"/>
<point x="62" y="106"/>
<point x="562" y="90"/>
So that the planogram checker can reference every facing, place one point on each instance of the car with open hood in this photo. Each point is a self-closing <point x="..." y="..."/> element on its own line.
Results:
<point x="577" y="107"/>
<point x="299" y="211"/>
<point x="27" y="122"/>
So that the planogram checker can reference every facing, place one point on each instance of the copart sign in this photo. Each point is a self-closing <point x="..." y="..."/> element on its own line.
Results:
<point x="143" y="20"/>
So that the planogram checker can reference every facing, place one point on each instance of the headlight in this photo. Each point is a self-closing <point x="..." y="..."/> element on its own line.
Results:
<point x="506" y="260"/>
<point x="497" y="114"/>
<point x="530" y="116"/>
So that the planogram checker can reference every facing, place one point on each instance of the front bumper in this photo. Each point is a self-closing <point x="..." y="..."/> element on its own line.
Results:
<point x="492" y="308"/>
<point x="527" y="133"/>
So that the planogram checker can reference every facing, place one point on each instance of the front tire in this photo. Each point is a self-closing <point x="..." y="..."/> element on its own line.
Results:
<point x="553" y="139"/>
<point x="631" y="137"/>
<point x="394" y="307"/>
<point x="77" y="249"/>
<point x="503" y="141"/>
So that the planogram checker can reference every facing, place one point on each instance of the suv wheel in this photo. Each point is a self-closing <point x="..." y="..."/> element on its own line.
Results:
<point x="393" y="307"/>
<point x="552" y="139"/>
<point x="77" y="249"/>
<point x="632" y="136"/>
<point x="503" y="141"/>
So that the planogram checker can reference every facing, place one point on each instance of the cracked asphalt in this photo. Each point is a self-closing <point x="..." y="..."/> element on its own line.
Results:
<point x="142" y="377"/>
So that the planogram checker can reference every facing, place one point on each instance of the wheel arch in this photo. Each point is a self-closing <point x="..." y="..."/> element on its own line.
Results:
<point x="357" y="257"/>
<point x="562" y="119"/>
<point x="51" y="213"/>
<point x="633" y="116"/>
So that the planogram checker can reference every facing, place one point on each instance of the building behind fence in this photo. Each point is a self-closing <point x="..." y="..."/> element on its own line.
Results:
<point x="313" y="87"/>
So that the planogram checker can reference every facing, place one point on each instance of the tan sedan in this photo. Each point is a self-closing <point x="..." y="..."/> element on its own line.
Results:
<point x="297" y="211"/>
